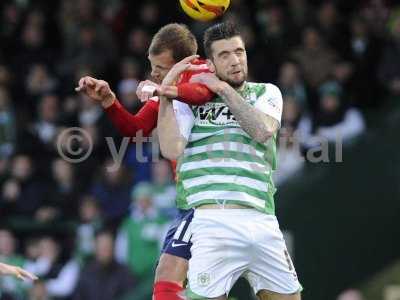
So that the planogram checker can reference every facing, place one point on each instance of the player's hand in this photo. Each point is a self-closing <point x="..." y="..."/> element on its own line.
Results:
<point x="210" y="80"/>
<point x="98" y="90"/>
<point x="147" y="89"/>
<point x="179" y="67"/>
<point x="17" y="272"/>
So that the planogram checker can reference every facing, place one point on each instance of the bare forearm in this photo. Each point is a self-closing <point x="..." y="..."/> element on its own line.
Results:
<point x="171" y="141"/>
<point x="3" y="269"/>
<point x="257" y="124"/>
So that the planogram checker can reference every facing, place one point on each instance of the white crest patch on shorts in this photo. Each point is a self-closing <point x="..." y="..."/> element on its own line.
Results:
<point x="203" y="279"/>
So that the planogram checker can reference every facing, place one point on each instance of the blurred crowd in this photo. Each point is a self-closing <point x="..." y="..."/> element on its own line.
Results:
<point x="81" y="226"/>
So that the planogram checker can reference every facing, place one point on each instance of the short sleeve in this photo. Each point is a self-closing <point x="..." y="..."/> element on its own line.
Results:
<point x="185" y="118"/>
<point x="270" y="102"/>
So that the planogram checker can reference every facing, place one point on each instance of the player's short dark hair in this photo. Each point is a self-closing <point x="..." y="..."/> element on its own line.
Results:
<point x="175" y="37"/>
<point x="220" y="31"/>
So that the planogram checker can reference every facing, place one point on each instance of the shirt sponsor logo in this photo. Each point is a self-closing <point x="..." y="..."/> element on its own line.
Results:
<point x="215" y="114"/>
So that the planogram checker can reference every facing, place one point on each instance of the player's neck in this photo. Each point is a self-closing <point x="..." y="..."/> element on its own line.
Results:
<point x="241" y="87"/>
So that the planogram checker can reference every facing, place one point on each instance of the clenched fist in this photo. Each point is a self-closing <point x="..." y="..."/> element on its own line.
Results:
<point x="147" y="89"/>
<point x="98" y="90"/>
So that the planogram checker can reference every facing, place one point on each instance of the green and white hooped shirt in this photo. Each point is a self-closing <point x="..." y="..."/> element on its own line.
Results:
<point x="222" y="163"/>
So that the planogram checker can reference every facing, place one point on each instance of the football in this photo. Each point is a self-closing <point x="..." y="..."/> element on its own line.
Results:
<point x="204" y="10"/>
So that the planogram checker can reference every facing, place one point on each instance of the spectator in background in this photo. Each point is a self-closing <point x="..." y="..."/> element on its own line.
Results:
<point x="127" y="94"/>
<point x="364" y="51"/>
<point x="22" y="193"/>
<point x="389" y="68"/>
<point x="333" y="119"/>
<point x="10" y="192"/>
<point x="130" y="71"/>
<point x="112" y="192"/>
<point x="331" y="26"/>
<point x="351" y="294"/>
<point x="149" y="15"/>
<point x="376" y="13"/>
<point x="292" y="113"/>
<point x="291" y="84"/>
<point x="274" y="38"/>
<point x="45" y="128"/>
<point x="35" y="262"/>
<point x="93" y="48"/>
<point x="7" y="125"/>
<point x="61" y="284"/>
<point x="32" y="48"/>
<point x="37" y="137"/>
<point x="138" y="42"/>
<point x="139" y="238"/>
<point x="300" y="13"/>
<point x="48" y="262"/>
<point x="139" y="156"/>
<point x="315" y="59"/>
<point x="39" y="82"/>
<point x="290" y="158"/>
<point x="58" y="276"/>
<point x="272" y="24"/>
<point x="37" y="131"/>
<point x="61" y="202"/>
<point x="90" y="222"/>
<point x="11" y="286"/>
<point x="39" y="291"/>
<point x="104" y="278"/>
<point x="5" y="75"/>
<point x="89" y="112"/>
<point x="10" y="21"/>
<point x="164" y="188"/>
<point x="4" y="166"/>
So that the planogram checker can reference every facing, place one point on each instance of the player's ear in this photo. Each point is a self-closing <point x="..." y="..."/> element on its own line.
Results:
<point x="210" y="65"/>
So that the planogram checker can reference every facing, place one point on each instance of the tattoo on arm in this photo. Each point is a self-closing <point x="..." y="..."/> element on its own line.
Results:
<point x="254" y="122"/>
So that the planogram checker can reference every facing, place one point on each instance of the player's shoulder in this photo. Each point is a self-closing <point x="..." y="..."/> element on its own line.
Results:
<point x="262" y="88"/>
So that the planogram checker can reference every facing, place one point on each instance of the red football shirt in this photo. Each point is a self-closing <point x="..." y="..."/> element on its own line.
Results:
<point x="146" y="119"/>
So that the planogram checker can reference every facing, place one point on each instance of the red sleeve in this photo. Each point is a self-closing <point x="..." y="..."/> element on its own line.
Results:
<point x="128" y="124"/>
<point x="194" y="93"/>
<point x="173" y="167"/>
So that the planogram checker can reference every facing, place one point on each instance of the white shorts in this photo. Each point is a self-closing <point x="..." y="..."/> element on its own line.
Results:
<point x="229" y="243"/>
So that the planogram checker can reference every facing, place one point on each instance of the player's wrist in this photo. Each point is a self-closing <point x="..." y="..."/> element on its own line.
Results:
<point x="222" y="88"/>
<point x="108" y="101"/>
<point x="169" y="91"/>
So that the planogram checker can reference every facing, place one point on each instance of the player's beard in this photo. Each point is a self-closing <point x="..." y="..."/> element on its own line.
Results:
<point x="235" y="83"/>
<point x="157" y="80"/>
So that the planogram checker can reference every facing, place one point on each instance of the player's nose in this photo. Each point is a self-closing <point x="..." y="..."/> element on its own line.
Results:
<point x="235" y="60"/>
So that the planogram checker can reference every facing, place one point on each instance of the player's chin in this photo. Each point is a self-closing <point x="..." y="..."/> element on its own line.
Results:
<point x="157" y="79"/>
<point x="235" y="83"/>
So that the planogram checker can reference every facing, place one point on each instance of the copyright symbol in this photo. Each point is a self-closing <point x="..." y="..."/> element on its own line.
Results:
<point x="74" y="144"/>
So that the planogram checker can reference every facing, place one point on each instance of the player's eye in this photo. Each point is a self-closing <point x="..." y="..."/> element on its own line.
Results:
<point x="239" y="52"/>
<point x="225" y="56"/>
